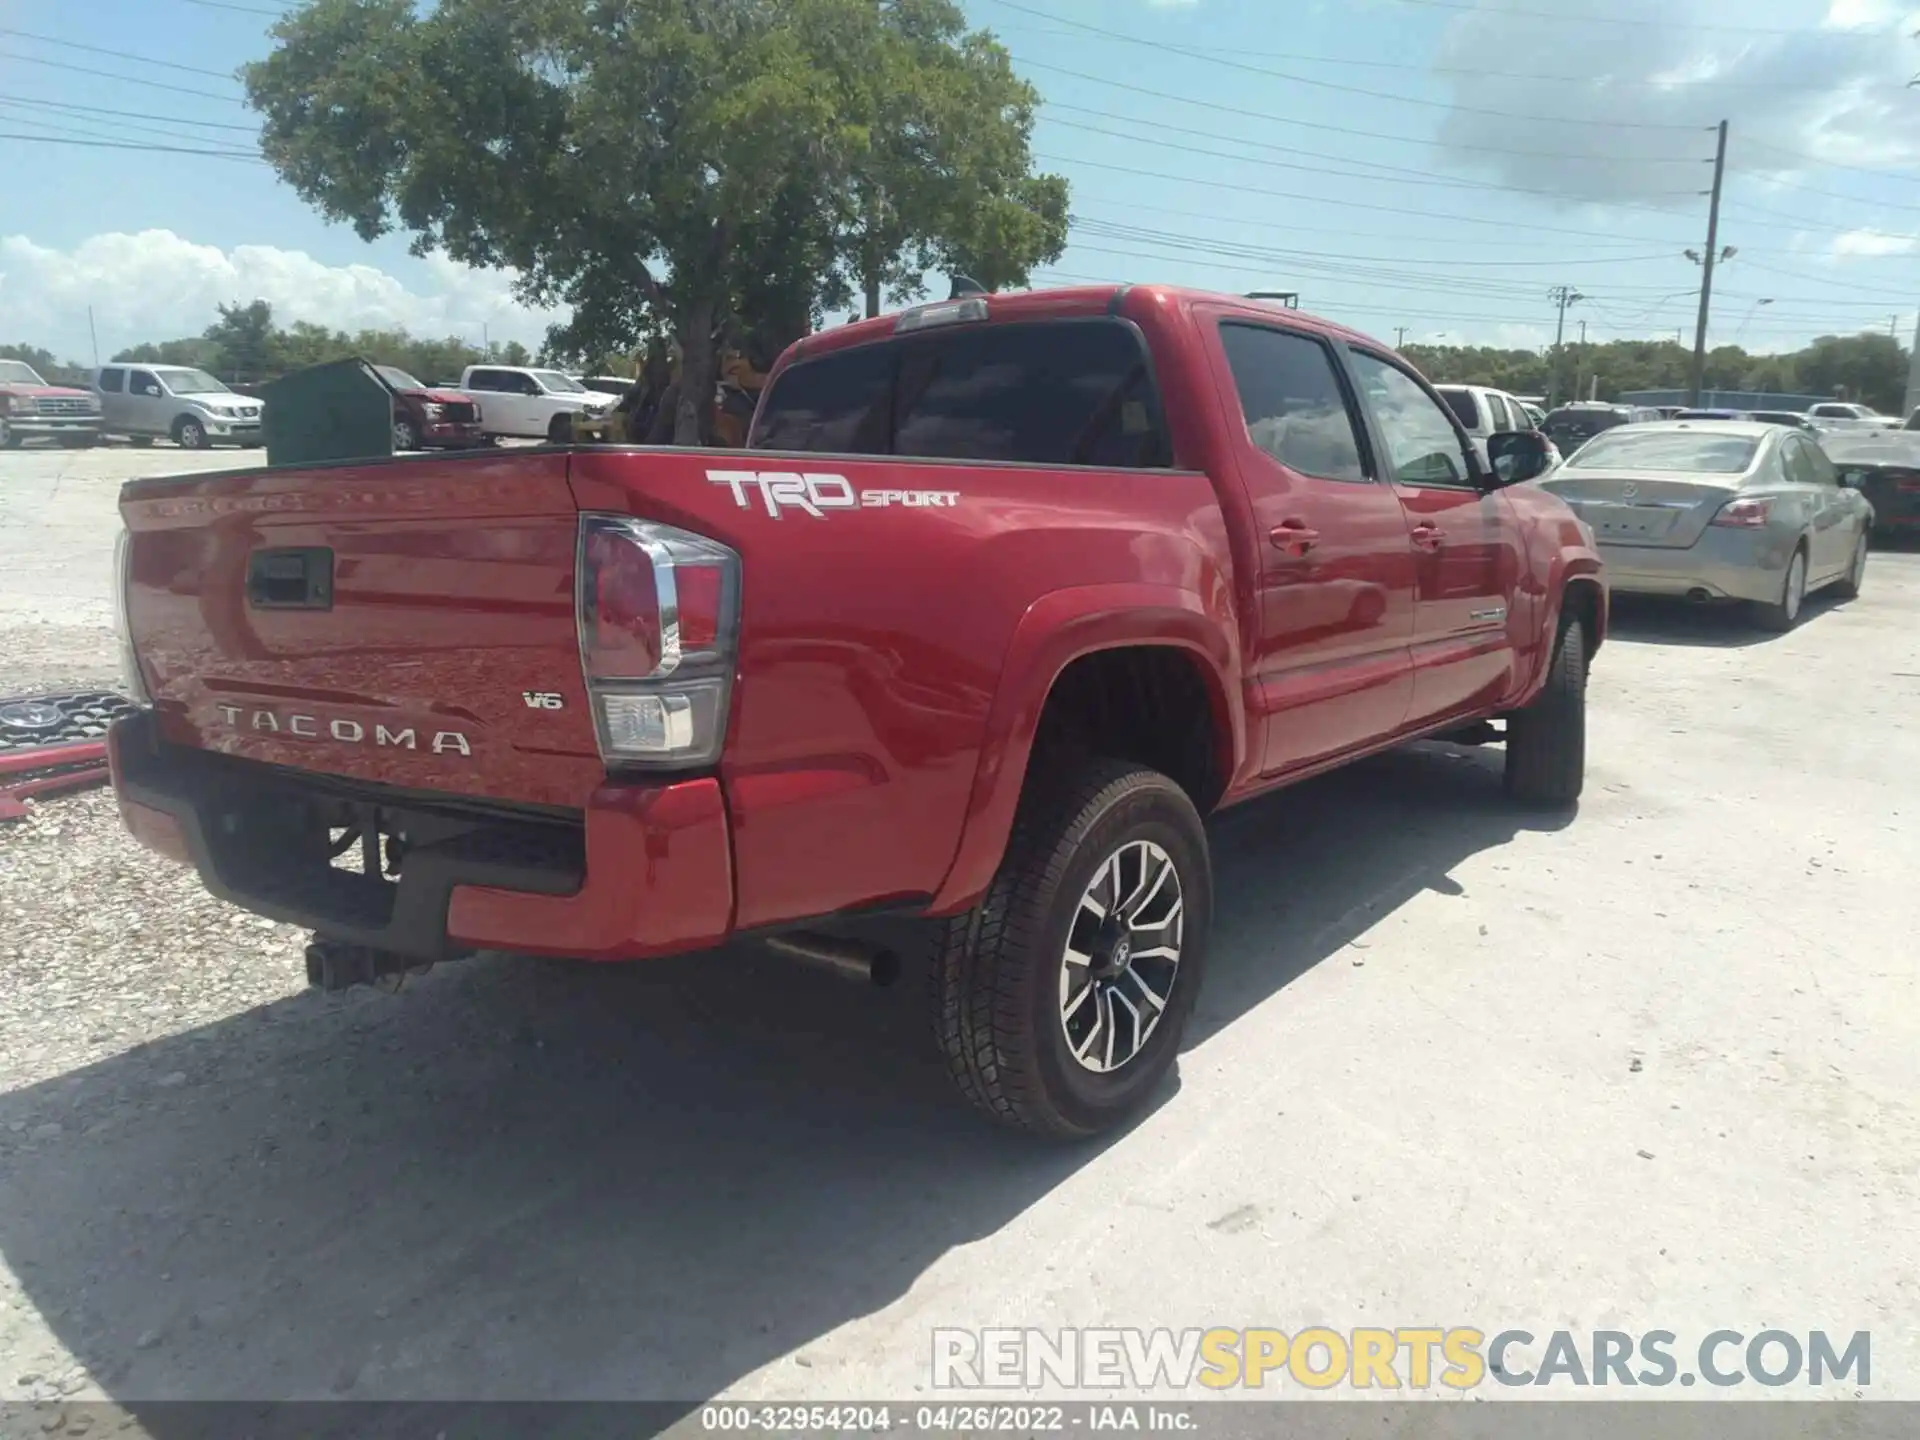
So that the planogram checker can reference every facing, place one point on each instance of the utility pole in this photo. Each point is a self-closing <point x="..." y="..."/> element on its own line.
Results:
<point x="1399" y="337"/>
<point x="1708" y="256"/>
<point x="1913" y="371"/>
<point x="93" y="335"/>
<point x="1563" y="296"/>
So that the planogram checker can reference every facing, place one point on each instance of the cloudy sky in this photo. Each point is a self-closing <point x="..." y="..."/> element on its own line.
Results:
<point x="1431" y="168"/>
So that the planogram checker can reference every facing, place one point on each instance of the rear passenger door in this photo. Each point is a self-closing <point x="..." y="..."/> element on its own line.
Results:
<point x="1331" y="668"/>
<point x="1466" y="546"/>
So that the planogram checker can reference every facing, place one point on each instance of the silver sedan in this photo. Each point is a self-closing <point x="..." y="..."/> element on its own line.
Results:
<point x="1719" y="510"/>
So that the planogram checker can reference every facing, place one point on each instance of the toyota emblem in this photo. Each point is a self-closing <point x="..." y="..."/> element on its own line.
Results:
<point x="30" y="716"/>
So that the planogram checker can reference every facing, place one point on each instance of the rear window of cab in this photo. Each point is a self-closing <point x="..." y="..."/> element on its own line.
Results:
<point x="1047" y="392"/>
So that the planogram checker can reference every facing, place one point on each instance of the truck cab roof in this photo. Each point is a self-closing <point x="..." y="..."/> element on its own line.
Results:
<point x="1066" y="303"/>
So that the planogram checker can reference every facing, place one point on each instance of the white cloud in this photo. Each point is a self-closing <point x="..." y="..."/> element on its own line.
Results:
<point x="1799" y="81"/>
<point x="157" y="285"/>
<point x="1874" y="242"/>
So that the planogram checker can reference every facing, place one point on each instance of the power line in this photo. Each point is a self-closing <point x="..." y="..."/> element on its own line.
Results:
<point x="1377" y="280"/>
<point x="1396" y="173"/>
<point x="1821" y="280"/>
<point x="127" y="114"/>
<point x="66" y="124"/>
<point x="130" y="145"/>
<point x="1661" y="22"/>
<point x="1428" y="215"/>
<point x="1078" y="218"/>
<point x="1388" y="272"/>
<point x="243" y="9"/>
<point x="123" y="79"/>
<point x="1831" y="164"/>
<point x="1836" y="195"/>
<point x="1772" y="87"/>
<point x="1243" y="114"/>
<point x="114" y="54"/>
<point x="1163" y="47"/>
<point x="1475" y="245"/>
<point x="1053" y="104"/>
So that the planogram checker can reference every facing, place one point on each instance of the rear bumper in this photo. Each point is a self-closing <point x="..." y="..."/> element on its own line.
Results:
<point x="643" y="870"/>
<point x="1728" y="564"/>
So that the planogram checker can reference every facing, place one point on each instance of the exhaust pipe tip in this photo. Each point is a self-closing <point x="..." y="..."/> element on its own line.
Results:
<point x="849" y="959"/>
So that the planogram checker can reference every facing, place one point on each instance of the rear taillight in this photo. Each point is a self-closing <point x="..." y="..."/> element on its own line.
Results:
<point x="1744" y="514"/>
<point x="659" y="612"/>
<point x="131" y="680"/>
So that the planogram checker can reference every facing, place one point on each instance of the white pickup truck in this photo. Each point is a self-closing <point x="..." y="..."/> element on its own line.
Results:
<point x="531" y="402"/>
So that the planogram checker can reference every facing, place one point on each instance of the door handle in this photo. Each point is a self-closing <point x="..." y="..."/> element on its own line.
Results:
<point x="1428" y="536"/>
<point x="1294" y="537"/>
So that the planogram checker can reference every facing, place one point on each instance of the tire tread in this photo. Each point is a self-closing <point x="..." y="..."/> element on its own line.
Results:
<point x="979" y="1002"/>
<point x="1547" y="741"/>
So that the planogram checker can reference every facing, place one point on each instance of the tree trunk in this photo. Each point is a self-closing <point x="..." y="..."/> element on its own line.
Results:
<point x="699" y="373"/>
<point x="872" y="283"/>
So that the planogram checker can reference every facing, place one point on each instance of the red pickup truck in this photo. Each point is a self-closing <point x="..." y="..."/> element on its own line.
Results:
<point x="1004" y="596"/>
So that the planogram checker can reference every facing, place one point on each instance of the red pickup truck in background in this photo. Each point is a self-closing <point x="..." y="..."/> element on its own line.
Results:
<point x="1005" y="595"/>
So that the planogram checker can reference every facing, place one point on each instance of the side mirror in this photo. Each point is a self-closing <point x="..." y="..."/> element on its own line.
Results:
<point x="1516" y="456"/>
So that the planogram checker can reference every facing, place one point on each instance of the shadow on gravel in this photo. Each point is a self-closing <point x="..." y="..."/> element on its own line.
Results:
<point x="528" y="1180"/>
<point x="1652" y="620"/>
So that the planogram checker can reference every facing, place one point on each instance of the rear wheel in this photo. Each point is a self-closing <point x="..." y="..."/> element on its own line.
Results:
<point x="1783" y="614"/>
<point x="1547" y="741"/>
<point x="1848" y="586"/>
<point x="1060" y="998"/>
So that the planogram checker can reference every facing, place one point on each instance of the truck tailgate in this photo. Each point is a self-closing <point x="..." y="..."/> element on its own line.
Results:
<point x="410" y="624"/>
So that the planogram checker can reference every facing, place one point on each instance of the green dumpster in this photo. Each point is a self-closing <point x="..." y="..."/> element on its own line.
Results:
<point x="342" y="410"/>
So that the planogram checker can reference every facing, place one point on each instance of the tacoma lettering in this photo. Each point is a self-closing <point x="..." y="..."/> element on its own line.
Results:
<point x="347" y="732"/>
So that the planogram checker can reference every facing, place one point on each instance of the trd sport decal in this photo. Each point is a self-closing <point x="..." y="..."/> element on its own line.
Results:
<point x="816" y="494"/>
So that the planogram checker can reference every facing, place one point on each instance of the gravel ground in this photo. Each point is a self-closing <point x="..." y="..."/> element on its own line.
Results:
<point x="1650" y="1068"/>
<point x="58" y="520"/>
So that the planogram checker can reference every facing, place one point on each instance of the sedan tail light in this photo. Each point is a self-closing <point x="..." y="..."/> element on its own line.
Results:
<point x="1750" y="514"/>
<point x="659" y="616"/>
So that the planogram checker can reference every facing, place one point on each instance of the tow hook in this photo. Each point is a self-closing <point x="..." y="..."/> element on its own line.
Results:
<point x="335" y="965"/>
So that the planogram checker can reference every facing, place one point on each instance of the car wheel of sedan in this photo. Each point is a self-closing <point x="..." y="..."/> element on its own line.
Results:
<point x="1060" y="998"/>
<point x="1783" y="614"/>
<point x="189" y="434"/>
<point x="1848" y="587"/>
<point x="1547" y="741"/>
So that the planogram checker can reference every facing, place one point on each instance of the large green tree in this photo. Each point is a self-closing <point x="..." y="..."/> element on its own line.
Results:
<point x="704" y="168"/>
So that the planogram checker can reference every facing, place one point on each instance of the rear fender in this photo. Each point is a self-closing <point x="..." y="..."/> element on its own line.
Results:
<point x="1056" y="630"/>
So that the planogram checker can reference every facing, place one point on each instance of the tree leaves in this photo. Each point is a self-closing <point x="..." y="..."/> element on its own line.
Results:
<point x="699" y="167"/>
